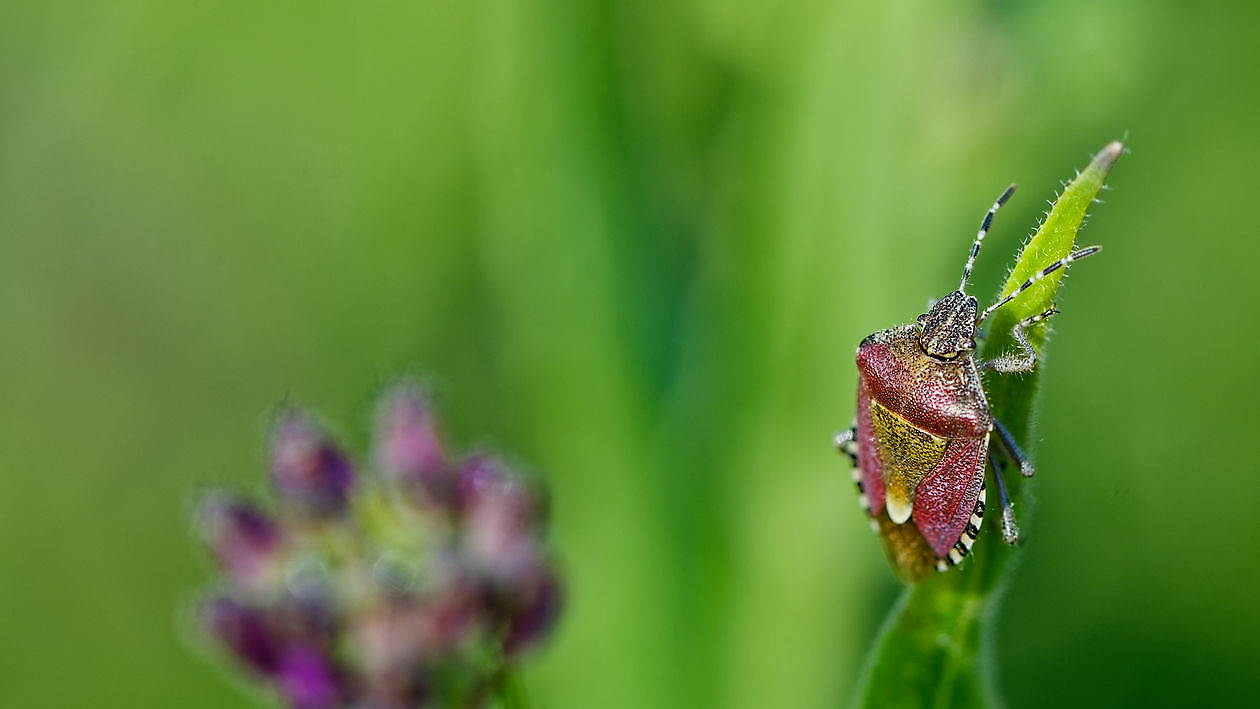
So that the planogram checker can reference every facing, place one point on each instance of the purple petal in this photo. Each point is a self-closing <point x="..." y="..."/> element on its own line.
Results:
<point x="247" y="631"/>
<point x="308" y="679"/>
<point x="308" y="470"/>
<point x="408" y="446"/>
<point x="244" y="540"/>
<point x="533" y="619"/>
<point x="499" y="536"/>
<point x="476" y="475"/>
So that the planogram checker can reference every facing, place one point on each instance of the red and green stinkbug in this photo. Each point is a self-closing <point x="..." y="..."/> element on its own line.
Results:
<point x="921" y="437"/>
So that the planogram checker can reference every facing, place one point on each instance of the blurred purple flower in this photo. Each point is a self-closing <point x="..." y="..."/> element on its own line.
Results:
<point x="450" y="613"/>
<point x="386" y="604"/>
<point x="476" y="474"/>
<point x="308" y="615"/>
<point x="387" y="640"/>
<point x="393" y="638"/>
<point x="244" y="540"/>
<point x="408" y="447"/>
<point x="308" y="470"/>
<point x="534" y="614"/>
<point x="247" y="631"/>
<point x="499" y="535"/>
<point x="308" y="679"/>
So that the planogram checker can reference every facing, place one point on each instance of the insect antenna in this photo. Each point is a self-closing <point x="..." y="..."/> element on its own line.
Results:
<point x="984" y="229"/>
<point x="1061" y="263"/>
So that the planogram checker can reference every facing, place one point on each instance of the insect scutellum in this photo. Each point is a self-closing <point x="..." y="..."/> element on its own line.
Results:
<point x="948" y="329"/>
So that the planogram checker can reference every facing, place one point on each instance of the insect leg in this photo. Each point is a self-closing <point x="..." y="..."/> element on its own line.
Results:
<point x="1065" y="261"/>
<point x="1012" y="450"/>
<point x="1010" y="531"/>
<point x="1018" y="363"/>
<point x="846" y="443"/>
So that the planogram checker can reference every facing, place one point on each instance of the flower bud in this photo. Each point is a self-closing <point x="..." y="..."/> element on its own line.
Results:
<point x="308" y="470"/>
<point x="408" y="447"/>
<point x="244" y="540"/>
<point x="244" y="630"/>
<point x="387" y="642"/>
<point x="499" y="538"/>
<point x="308" y="679"/>
<point x="477" y="474"/>
<point x="396" y="638"/>
<point x="533" y="614"/>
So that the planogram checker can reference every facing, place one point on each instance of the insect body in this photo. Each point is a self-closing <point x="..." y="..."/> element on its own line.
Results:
<point x="921" y="438"/>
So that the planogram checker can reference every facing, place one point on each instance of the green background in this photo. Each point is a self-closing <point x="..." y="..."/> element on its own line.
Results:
<point x="634" y="245"/>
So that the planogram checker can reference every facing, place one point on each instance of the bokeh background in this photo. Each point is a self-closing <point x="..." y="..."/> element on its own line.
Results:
<point x="632" y="244"/>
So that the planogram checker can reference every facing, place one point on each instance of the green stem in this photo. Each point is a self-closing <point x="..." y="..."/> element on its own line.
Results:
<point x="936" y="648"/>
<point x="509" y="689"/>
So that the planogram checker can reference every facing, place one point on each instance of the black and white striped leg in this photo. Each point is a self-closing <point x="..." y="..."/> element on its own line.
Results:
<point x="1012" y="450"/>
<point x="962" y="547"/>
<point x="1010" y="531"/>
<point x="1018" y="363"/>
<point x="846" y="443"/>
<point x="1065" y="261"/>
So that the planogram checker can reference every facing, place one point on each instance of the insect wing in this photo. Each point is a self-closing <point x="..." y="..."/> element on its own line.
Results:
<point x="872" y="470"/>
<point x="945" y="499"/>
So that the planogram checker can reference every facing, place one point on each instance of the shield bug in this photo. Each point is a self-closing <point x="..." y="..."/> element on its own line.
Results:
<point x="920" y="440"/>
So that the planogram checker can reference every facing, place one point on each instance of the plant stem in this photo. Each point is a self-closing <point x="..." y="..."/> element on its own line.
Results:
<point x="509" y="689"/>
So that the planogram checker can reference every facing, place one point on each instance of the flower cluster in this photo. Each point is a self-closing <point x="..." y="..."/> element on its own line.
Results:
<point x="418" y="585"/>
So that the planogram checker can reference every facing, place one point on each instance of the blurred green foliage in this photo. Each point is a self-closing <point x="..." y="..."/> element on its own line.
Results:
<point x="635" y="244"/>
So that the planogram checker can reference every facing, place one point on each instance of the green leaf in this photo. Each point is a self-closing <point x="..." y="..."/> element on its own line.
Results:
<point x="935" y="649"/>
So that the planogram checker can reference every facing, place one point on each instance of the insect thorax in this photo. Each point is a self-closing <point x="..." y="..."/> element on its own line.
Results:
<point x="942" y="396"/>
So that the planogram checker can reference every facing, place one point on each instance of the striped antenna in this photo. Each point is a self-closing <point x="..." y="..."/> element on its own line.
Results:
<point x="984" y="229"/>
<point x="1061" y="263"/>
